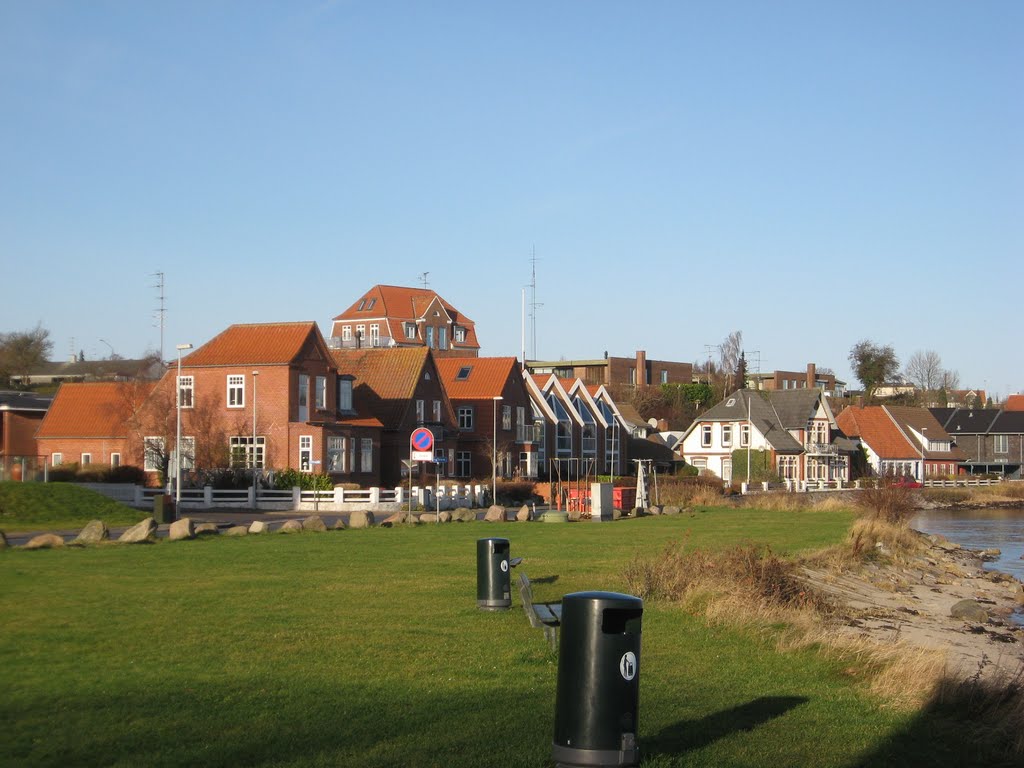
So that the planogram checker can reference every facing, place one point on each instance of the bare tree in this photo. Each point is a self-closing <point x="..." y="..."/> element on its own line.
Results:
<point x="924" y="369"/>
<point x="950" y="380"/>
<point x="20" y="351"/>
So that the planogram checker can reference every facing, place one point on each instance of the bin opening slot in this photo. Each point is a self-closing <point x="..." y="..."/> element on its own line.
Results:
<point x="620" y="621"/>
<point x="500" y="547"/>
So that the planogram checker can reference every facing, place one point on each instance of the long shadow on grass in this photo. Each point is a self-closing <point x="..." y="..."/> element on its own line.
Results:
<point x="688" y="735"/>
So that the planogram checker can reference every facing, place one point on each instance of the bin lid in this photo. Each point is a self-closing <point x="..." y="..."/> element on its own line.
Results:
<point x="607" y="598"/>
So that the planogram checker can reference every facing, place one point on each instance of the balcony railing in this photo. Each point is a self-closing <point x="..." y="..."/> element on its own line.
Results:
<point x="821" y="449"/>
<point x="336" y="342"/>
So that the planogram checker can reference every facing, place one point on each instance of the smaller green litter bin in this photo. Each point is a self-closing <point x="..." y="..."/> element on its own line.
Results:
<point x="163" y="508"/>
<point x="493" y="581"/>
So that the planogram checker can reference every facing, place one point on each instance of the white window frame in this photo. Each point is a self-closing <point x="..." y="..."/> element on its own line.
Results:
<point x="705" y="436"/>
<point x="437" y="411"/>
<point x="243" y="444"/>
<point x="744" y="435"/>
<point x="188" y="452"/>
<point x="320" y="393"/>
<point x="1000" y="443"/>
<point x="442" y="338"/>
<point x="344" y="394"/>
<point x="305" y="453"/>
<point x="366" y="454"/>
<point x="420" y="411"/>
<point x="374" y="334"/>
<point x="152" y="450"/>
<point x="86" y="459"/>
<point x="186" y="391"/>
<point x="464" y="464"/>
<point x="115" y="459"/>
<point x="460" y="334"/>
<point x="337" y="457"/>
<point x="506" y="418"/>
<point x="56" y="459"/>
<point x="346" y="333"/>
<point x="410" y="330"/>
<point x="727" y="435"/>
<point x="235" y="390"/>
<point x="466" y="418"/>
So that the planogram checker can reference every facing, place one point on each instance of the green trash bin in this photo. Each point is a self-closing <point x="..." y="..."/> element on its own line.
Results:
<point x="493" y="582"/>
<point x="163" y="508"/>
<point x="598" y="691"/>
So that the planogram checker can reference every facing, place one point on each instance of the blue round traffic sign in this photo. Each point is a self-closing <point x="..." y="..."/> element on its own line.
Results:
<point x="422" y="439"/>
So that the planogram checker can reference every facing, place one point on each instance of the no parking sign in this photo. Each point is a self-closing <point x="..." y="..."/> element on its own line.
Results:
<point x="421" y="444"/>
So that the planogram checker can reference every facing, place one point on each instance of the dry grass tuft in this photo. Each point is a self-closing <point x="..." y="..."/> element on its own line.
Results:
<point x="992" y="706"/>
<point x="888" y="502"/>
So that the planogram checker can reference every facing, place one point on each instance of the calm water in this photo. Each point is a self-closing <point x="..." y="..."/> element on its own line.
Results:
<point x="1001" y="529"/>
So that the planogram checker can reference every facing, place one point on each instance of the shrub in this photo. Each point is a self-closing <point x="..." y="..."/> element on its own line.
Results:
<point x="705" y="490"/>
<point x="515" y="491"/>
<point x="947" y="495"/>
<point x="293" y="478"/>
<point x="888" y="502"/>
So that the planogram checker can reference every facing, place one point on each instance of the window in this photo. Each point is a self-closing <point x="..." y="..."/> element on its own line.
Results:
<point x="346" y="333"/>
<point x="336" y="454"/>
<point x="56" y="459"/>
<point x="430" y="336"/>
<point x="1001" y="443"/>
<point x="466" y="418"/>
<point x="188" y="452"/>
<point x="744" y="435"/>
<point x="819" y="432"/>
<point x="153" y="450"/>
<point x="360" y="332"/>
<point x="705" y="435"/>
<point x="463" y="373"/>
<point x="442" y="338"/>
<point x="460" y="334"/>
<point x="506" y="417"/>
<point x="701" y="465"/>
<point x="115" y="459"/>
<point x="370" y="304"/>
<point x="374" y="334"/>
<point x="303" y="397"/>
<point x="344" y="394"/>
<point x="727" y="435"/>
<point x="463" y="464"/>
<point x="305" y="453"/>
<point x="321" y="393"/>
<point x="632" y="376"/>
<point x="437" y="411"/>
<point x="788" y="467"/>
<point x="419" y="411"/>
<point x="563" y="439"/>
<point x="185" y="387"/>
<point x="86" y="458"/>
<point x="366" y="454"/>
<point x="664" y="376"/>
<point x="236" y="391"/>
<point x="410" y="330"/>
<point x="362" y="305"/>
<point x="244" y="453"/>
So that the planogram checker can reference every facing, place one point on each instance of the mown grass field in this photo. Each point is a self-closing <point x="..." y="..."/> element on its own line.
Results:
<point x="365" y="648"/>
<point x="57" y="507"/>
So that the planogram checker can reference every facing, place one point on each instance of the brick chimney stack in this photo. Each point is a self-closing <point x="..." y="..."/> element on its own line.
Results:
<point x="641" y="368"/>
<point x="812" y="375"/>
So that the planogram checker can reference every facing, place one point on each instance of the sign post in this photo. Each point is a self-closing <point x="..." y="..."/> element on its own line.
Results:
<point x="421" y="448"/>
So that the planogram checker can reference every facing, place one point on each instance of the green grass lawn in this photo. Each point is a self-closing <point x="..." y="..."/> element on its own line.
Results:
<point x="365" y="648"/>
<point x="58" y="506"/>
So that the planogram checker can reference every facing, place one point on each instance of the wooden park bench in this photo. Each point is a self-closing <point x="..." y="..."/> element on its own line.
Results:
<point x="546" y="616"/>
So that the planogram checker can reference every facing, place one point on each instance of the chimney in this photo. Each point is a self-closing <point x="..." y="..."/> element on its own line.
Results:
<point x="642" y="379"/>
<point x="812" y="375"/>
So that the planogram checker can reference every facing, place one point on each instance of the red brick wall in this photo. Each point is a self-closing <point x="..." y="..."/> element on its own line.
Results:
<point x="19" y="433"/>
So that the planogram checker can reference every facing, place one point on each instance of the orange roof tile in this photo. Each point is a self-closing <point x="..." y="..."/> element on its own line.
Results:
<point x="1014" y="403"/>
<point x="385" y="379"/>
<point x="95" y="409"/>
<point x="874" y="427"/>
<point x="487" y="376"/>
<point x="254" y="344"/>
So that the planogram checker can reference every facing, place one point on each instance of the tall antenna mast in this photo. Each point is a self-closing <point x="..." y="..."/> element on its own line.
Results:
<point x="707" y="349"/>
<point x="533" y="300"/>
<point x="423" y="279"/>
<point x="159" y="315"/>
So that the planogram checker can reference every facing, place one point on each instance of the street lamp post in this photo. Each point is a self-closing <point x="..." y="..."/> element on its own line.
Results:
<point x="924" y="445"/>
<point x="177" y="441"/>
<point x="255" y="503"/>
<point x="494" y="451"/>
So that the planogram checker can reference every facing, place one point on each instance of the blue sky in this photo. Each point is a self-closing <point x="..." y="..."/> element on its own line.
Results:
<point x="808" y="173"/>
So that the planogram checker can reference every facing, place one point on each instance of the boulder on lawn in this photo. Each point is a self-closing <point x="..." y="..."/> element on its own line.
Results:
<point x="290" y="526"/>
<point x="314" y="523"/>
<point x="258" y="526"/>
<point x="237" y="530"/>
<point x="181" y="529"/>
<point x="495" y="514"/>
<point x="463" y="515"/>
<point x="339" y="525"/>
<point x="95" y="532"/>
<point x="45" y="541"/>
<point x="444" y="517"/>
<point x="139" y="533"/>
<point x="670" y="510"/>
<point x="969" y="610"/>
<point x="525" y="514"/>
<point x="206" y="529"/>
<point x="361" y="519"/>
<point x="400" y="517"/>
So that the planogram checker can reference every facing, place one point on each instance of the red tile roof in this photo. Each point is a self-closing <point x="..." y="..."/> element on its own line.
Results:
<point x="874" y="427"/>
<point x="385" y="379"/>
<point x="98" y="409"/>
<point x="255" y="344"/>
<point x="1014" y="403"/>
<point x="487" y="376"/>
<point x="395" y="304"/>
<point x="923" y="421"/>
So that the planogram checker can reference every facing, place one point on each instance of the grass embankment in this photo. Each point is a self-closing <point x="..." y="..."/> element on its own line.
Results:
<point x="366" y="648"/>
<point x="58" y="506"/>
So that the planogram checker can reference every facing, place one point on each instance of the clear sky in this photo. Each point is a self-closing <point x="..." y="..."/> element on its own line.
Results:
<point x="808" y="173"/>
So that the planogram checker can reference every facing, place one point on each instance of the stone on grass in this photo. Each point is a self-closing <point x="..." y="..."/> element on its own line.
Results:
<point x="258" y="526"/>
<point x="361" y="519"/>
<point x="339" y="525"/>
<point x="139" y="533"/>
<point x="95" y="532"/>
<point x="237" y="530"/>
<point x="290" y="526"/>
<point x="444" y="517"/>
<point x="463" y="515"/>
<point x="181" y="529"/>
<point x="670" y="510"/>
<point x="45" y="541"/>
<point x="314" y="523"/>
<point x="656" y="510"/>
<point x="969" y="610"/>
<point x="399" y="518"/>
<point x="206" y="529"/>
<point x="525" y="514"/>
<point x="495" y="514"/>
<point x="428" y="517"/>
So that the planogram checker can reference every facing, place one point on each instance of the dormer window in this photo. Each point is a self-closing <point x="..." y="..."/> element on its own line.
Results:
<point x="463" y="373"/>
<point x="460" y="334"/>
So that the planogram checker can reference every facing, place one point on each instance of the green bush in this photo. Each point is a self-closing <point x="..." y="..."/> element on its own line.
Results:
<point x="293" y="478"/>
<point x="515" y="492"/>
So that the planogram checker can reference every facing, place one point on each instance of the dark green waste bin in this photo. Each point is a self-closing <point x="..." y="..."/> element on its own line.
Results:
<point x="598" y="693"/>
<point x="493" y="584"/>
<point x="163" y="508"/>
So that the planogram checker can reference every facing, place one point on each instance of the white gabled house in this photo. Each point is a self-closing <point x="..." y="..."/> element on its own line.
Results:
<point x="796" y="427"/>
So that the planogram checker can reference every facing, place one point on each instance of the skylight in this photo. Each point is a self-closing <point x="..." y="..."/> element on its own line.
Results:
<point x="463" y="373"/>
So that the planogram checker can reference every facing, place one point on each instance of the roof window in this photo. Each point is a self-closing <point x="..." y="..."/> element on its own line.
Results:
<point x="463" y="373"/>
<point x="371" y="303"/>
<point x="730" y="401"/>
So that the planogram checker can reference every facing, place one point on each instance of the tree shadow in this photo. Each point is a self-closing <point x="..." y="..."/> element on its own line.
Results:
<point x="688" y="735"/>
<point x="545" y="579"/>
